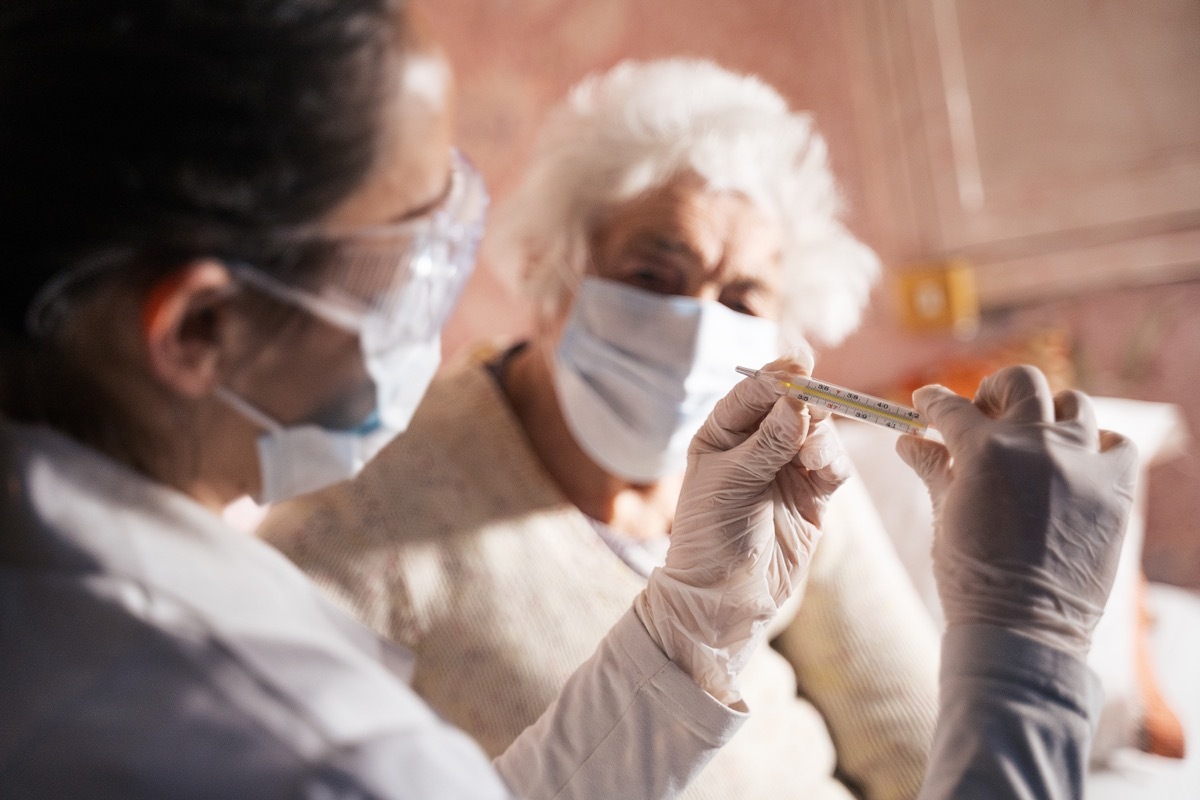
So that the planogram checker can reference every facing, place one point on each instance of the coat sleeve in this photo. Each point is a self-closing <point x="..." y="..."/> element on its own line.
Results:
<point x="1011" y="727"/>
<point x="627" y="724"/>
<point x="865" y="652"/>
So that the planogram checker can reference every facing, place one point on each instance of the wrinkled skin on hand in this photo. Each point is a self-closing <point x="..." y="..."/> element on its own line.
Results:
<point x="760" y="474"/>
<point x="1030" y="505"/>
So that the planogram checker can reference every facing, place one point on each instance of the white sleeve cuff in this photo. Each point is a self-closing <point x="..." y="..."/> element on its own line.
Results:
<point x="628" y="723"/>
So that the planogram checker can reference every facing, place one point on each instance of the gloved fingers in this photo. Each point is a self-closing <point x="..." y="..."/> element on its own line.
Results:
<point x="740" y="412"/>
<point x="794" y="543"/>
<point x="954" y="416"/>
<point x="818" y="414"/>
<point x="735" y="417"/>
<point x="1111" y="441"/>
<point x="776" y="442"/>
<point x="1123" y="454"/>
<point x="801" y="491"/>
<point x="829" y="477"/>
<point x="1016" y="394"/>
<point x="929" y="459"/>
<point x="821" y="446"/>
<point x="820" y="467"/>
<point x="1073" y="409"/>
<point x="823" y="459"/>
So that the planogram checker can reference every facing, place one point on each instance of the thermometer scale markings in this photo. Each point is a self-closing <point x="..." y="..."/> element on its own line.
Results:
<point x="855" y="405"/>
<point x="823" y="391"/>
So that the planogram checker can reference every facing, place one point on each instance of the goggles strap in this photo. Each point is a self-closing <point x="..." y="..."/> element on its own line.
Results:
<point x="344" y="318"/>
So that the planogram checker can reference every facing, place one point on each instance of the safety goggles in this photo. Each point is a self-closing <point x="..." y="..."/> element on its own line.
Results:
<point x="396" y="283"/>
<point x="388" y="283"/>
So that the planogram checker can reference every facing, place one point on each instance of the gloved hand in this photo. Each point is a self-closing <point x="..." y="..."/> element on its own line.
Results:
<point x="759" y="475"/>
<point x="1030" y="504"/>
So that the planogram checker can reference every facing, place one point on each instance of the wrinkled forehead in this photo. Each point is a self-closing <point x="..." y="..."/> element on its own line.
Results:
<point x="697" y="222"/>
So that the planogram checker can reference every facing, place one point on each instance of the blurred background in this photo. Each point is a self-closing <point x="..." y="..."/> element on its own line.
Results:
<point x="1029" y="173"/>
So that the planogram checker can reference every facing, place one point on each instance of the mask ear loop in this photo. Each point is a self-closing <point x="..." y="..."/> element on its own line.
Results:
<point x="247" y="409"/>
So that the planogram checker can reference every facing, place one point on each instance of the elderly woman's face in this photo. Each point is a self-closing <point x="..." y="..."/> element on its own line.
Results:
<point x="683" y="238"/>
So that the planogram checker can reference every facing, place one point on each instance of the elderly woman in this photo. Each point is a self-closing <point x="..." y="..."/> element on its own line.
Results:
<point x="678" y="220"/>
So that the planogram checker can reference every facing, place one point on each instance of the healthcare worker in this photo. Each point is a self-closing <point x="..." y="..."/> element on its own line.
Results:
<point x="231" y="233"/>
<point x="221" y="226"/>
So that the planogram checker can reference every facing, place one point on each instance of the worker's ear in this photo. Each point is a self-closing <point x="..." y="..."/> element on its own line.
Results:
<point x="182" y="318"/>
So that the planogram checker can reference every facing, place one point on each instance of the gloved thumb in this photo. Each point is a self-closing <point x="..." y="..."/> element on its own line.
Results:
<point x="735" y="416"/>
<point x="929" y="459"/>
<point x="777" y="440"/>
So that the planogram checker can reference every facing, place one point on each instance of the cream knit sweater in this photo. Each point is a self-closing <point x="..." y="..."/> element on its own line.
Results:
<point x="456" y="543"/>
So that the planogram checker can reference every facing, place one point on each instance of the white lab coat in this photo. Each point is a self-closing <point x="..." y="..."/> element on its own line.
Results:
<point x="147" y="650"/>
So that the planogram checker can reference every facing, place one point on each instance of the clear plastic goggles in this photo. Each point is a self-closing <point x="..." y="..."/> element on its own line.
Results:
<point x="390" y="283"/>
<point x="395" y="284"/>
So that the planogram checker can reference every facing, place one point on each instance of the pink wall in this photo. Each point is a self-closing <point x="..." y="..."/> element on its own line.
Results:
<point x="517" y="57"/>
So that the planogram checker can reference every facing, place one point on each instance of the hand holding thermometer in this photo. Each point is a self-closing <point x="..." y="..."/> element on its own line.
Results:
<point x="845" y="402"/>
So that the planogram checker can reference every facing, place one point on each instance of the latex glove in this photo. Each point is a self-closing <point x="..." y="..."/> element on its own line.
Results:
<point x="759" y="475"/>
<point x="1030" y="504"/>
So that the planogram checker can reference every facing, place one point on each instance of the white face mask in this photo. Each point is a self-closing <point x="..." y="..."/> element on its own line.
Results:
<point x="393" y="286"/>
<point x="637" y="373"/>
<point x="401" y="372"/>
<point x="297" y="459"/>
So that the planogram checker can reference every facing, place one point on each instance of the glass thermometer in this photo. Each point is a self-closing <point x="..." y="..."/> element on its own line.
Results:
<point x="843" y="401"/>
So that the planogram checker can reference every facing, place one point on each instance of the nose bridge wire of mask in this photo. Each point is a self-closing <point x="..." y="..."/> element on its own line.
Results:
<point x="846" y="402"/>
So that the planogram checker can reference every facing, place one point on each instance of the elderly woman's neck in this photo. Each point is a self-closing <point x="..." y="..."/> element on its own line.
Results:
<point x="639" y="510"/>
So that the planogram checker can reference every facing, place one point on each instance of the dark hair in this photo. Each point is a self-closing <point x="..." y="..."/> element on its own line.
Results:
<point x="138" y="132"/>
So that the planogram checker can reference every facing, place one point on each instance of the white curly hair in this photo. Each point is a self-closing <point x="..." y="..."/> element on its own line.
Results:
<point x="634" y="128"/>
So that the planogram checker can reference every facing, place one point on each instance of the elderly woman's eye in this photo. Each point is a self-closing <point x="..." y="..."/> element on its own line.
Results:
<point x="652" y="276"/>
<point x="740" y="307"/>
<point x="647" y="277"/>
<point x="745" y="301"/>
